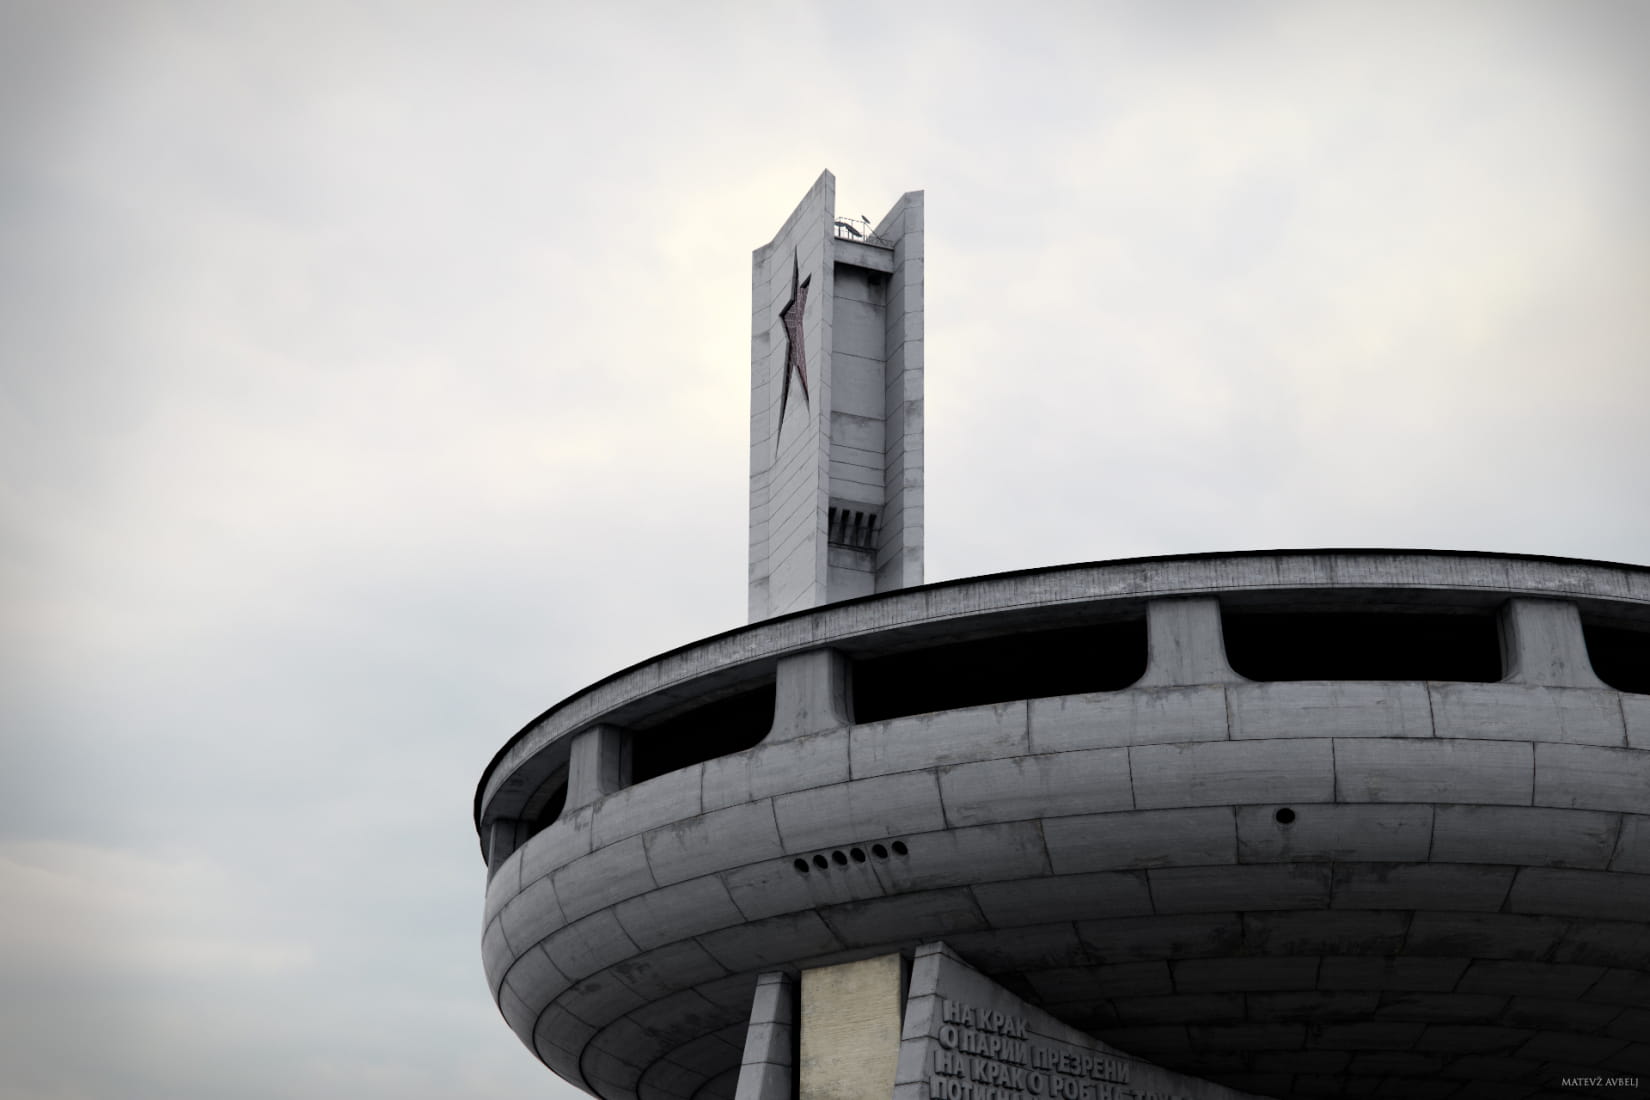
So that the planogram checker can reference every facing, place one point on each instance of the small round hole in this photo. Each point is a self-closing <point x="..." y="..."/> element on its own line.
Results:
<point x="900" y="849"/>
<point x="801" y="865"/>
<point x="858" y="854"/>
<point x="839" y="859"/>
<point x="819" y="861"/>
<point x="879" y="851"/>
<point x="1284" y="816"/>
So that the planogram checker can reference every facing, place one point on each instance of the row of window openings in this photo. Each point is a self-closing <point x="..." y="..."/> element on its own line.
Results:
<point x="1111" y="657"/>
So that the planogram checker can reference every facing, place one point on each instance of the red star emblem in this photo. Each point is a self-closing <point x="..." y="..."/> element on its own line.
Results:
<point x="796" y="358"/>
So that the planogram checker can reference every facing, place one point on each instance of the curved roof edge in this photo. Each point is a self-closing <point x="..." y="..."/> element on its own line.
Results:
<point x="939" y="586"/>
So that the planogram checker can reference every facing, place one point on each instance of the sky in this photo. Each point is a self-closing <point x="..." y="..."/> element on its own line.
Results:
<point x="374" y="375"/>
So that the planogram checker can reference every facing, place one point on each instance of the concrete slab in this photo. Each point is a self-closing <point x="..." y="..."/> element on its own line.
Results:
<point x="677" y="912"/>
<point x="1181" y="1008"/>
<point x="1138" y="716"/>
<point x="816" y="760"/>
<point x="1426" y="886"/>
<point x="1367" y="1035"/>
<point x="775" y="941"/>
<point x="604" y="877"/>
<point x="535" y="978"/>
<point x="1163" y="937"/>
<point x="1621" y="987"/>
<point x="1635" y="714"/>
<point x="946" y="737"/>
<point x="1515" y="712"/>
<point x="860" y="811"/>
<point x="1441" y="1007"/>
<point x="1632" y="852"/>
<point x="1219" y="773"/>
<point x="1152" y="838"/>
<point x="930" y="915"/>
<point x="599" y="999"/>
<point x="1219" y="889"/>
<point x="1084" y="983"/>
<point x="1335" y="708"/>
<point x="730" y="837"/>
<point x="1032" y="947"/>
<point x="557" y="846"/>
<point x="1259" y="1036"/>
<point x="1473" y="1038"/>
<point x="1587" y="778"/>
<point x="1416" y="974"/>
<point x="586" y="946"/>
<point x="1559" y="1015"/>
<point x="1416" y="770"/>
<point x="1245" y="975"/>
<point x="1484" y="935"/>
<point x="1325" y="932"/>
<point x="531" y="916"/>
<point x="496" y="955"/>
<point x="655" y="974"/>
<point x="1064" y="898"/>
<point x="960" y="857"/>
<point x="1320" y="831"/>
<point x="1528" y="979"/>
<point x="1522" y="835"/>
<point x="1026" y="787"/>
<point x="1605" y="895"/>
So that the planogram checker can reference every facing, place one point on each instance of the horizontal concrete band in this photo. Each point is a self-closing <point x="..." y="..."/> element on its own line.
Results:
<point x="1017" y="601"/>
<point x="1413" y="829"/>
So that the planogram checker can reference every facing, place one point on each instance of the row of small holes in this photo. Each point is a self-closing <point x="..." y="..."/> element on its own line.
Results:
<point x="841" y="858"/>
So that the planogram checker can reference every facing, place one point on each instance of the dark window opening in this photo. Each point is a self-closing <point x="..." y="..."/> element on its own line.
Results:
<point x="1071" y="661"/>
<point x="1621" y="658"/>
<point x="1333" y="645"/>
<point x="725" y="726"/>
<point x="551" y="810"/>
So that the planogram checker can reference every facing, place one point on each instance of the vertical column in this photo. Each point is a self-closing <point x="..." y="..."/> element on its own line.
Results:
<point x="768" y="1069"/>
<point x="1542" y="643"/>
<point x="851" y="1029"/>
<point x="598" y="765"/>
<point x="813" y="692"/>
<point x="502" y="841"/>
<point x="1184" y="644"/>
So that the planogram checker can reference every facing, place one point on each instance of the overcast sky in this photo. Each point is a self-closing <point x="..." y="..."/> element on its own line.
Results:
<point x="373" y="375"/>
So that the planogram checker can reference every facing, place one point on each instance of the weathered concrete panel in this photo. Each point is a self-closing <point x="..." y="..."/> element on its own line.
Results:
<point x="1316" y="831"/>
<point x="557" y="846"/>
<point x="673" y="797"/>
<point x="860" y="811"/>
<point x="1243" y="975"/>
<point x="775" y="941"/>
<point x="1174" y="936"/>
<point x="1517" y="712"/>
<point x="1587" y="778"/>
<point x="1372" y="770"/>
<point x="532" y="916"/>
<point x="677" y="912"/>
<point x="1088" y="983"/>
<point x="946" y="737"/>
<point x="1420" y="886"/>
<point x="1633" y="846"/>
<point x="960" y="857"/>
<point x="1602" y="894"/>
<point x="1484" y="935"/>
<point x="1418" y="974"/>
<point x="1264" y="886"/>
<point x="1635" y="713"/>
<point x="602" y="878"/>
<point x="1149" y="838"/>
<point x="1329" y="709"/>
<point x="502" y="885"/>
<point x="496" y="955"/>
<point x="932" y="914"/>
<point x="535" y="978"/>
<point x="722" y="838"/>
<point x="660" y="972"/>
<point x="588" y="945"/>
<point x="1217" y="773"/>
<point x="1138" y="716"/>
<point x="769" y="769"/>
<point x="1019" y="788"/>
<point x="1064" y="898"/>
<point x="1523" y="835"/>
<point x="1529" y="979"/>
<point x="1031" y="947"/>
<point x="1325" y="932"/>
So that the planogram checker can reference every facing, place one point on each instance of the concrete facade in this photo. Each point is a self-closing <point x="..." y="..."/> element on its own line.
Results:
<point x="1398" y="886"/>
<point x="836" y="406"/>
<point x="1285" y="824"/>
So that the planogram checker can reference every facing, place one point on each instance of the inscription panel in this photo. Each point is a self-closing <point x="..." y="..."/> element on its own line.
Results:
<point x="967" y="1038"/>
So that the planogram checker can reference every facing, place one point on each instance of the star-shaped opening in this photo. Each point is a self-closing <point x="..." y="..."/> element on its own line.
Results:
<point x="796" y="358"/>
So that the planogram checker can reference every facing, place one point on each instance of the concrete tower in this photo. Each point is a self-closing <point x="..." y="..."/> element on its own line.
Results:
<point x="836" y="406"/>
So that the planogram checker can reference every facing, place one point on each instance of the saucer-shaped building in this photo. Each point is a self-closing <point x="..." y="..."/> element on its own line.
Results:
<point x="1301" y="823"/>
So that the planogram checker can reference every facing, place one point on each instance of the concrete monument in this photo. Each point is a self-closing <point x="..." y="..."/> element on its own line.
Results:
<point x="1283" y="823"/>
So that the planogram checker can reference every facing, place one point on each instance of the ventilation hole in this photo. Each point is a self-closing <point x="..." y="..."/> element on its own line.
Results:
<point x="801" y="865"/>
<point x="858" y="854"/>
<point x="819" y="861"/>
<point x="1284" y="816"/>
<point x="879" y="851"/>
<point x="900" y="849"/>
<point x="838" y="858"/>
